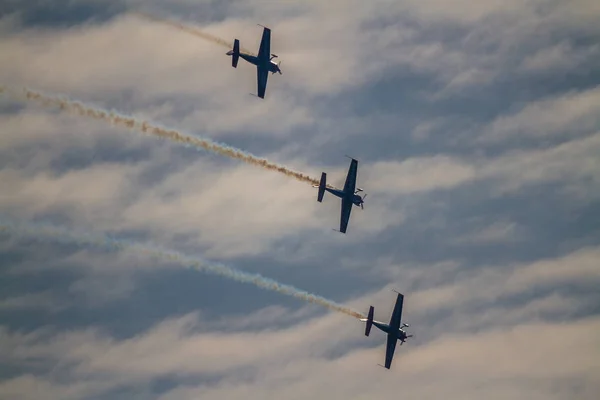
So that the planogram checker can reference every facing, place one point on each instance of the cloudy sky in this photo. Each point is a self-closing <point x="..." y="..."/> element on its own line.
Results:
<point x="477" y="127"/>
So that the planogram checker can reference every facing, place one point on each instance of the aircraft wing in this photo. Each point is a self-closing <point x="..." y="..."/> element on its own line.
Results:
<point x="397" y="314"/>
<point x="262" y="75"/>
<point x="389" y="350"/>
<point x="264" y="51"/>
<point x="350" y="184"/>
<point x="345" y="217"/>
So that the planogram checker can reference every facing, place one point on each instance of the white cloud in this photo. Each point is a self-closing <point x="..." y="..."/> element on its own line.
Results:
<point x="418" y="174"/>
<point x="234" y="210"/>
<point x="79" y="191"/>
<point x="53" y="59"/>
<point x="561" y="115"/>
<point x="578" y="267"/>
<point x="561" y="56"/>
<point x="492" y="282"/>
<point x="498" y="231"/>
<point x="286" y="362"/>
<point x="463" y="11"/>
<point x="573" y="164"/>
<point x="123" y="56"/>
<point x="237" y="210"/>
<point x="30" y="387"/>
<point x="90" y="362"/>
<point x="212" y="206"/>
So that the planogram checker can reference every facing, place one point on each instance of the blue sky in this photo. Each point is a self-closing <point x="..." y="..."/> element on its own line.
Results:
<point x="477" y="130"/>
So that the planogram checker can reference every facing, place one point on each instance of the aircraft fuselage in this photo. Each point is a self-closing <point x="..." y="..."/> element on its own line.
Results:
<point x="354" y="198"/>
<point x="268" y="64"/>
<point x="400" y="334"/>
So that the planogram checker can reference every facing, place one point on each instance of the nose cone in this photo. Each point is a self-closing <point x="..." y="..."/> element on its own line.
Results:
<point x="357" y="200"/>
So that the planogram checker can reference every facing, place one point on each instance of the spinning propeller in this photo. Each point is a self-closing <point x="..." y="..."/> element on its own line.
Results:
<point x="278" y="66"/>
<point x="404" y="325"/>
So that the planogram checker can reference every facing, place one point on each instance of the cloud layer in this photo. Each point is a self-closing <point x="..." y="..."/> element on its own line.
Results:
<point x="477" y="133"/>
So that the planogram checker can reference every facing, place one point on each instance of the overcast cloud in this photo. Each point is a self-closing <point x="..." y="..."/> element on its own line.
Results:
<point x="477" y="130"/>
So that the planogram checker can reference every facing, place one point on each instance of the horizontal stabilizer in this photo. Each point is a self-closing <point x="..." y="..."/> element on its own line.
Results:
<point x="322" y="184"/>
<point x="369" y="321"/>
<point x="235" y="54"/>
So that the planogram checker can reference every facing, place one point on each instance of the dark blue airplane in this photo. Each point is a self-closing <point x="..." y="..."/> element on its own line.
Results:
<point x="348" y="195"/>
<point x="393" y="329"/>
<point x="263" y="61"/>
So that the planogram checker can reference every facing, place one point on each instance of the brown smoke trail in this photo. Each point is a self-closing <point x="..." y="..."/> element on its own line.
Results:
<point x="190" y="29"/>
<point x="149" y="128"/>
<point x="84" y="238"/>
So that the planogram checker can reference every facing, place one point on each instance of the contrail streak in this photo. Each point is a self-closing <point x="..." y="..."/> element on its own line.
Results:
<point x="81" y="238"/>
<point x="190" y="29"/>
<point x="124" y="121"/>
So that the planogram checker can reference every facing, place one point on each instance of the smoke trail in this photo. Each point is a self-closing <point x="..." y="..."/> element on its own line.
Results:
<point x="80" y="238"/>
<point x="116" y="119"/>
<point x="190" y="29"/>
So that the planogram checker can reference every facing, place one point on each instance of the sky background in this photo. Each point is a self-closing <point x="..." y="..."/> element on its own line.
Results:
<point x="477" y="128"/>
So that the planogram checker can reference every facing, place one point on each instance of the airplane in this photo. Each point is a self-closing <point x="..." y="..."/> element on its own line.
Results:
<point x="263" y="61"/>
<point x="348" y="195"/>
<point x="393" y="329"/>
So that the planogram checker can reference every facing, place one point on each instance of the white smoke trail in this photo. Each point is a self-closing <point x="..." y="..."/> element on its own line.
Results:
<point x="190" y="29"/>
<point x="82" y="238"/>
<point x="124" y="121"/>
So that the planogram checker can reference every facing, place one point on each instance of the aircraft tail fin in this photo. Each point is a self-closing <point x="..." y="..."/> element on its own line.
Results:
<point x="235" y="53"/>
<point x="369" y="321"/>
<point x="322" y="184"/>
